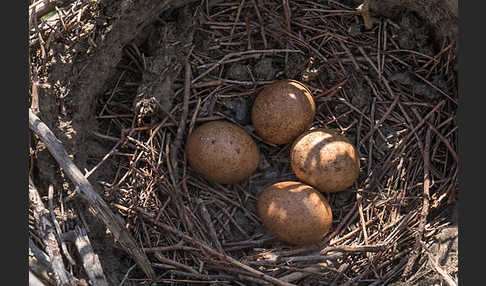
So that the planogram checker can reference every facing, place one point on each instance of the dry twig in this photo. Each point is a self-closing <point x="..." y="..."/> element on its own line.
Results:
<point x="46" y="230"/>
<point x="96" y="204"/>
<point x="90" y="260"/>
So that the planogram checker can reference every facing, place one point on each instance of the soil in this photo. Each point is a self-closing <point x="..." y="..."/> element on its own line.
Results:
<point x="441" y="16"/>
<point x="77" y="77"/>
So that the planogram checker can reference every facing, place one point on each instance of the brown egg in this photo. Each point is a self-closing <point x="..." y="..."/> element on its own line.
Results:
<point x="325" y="160"/>
<point x="282" y="111"/>
<point x="222" y="152"/>
<point x="295" y="212"/>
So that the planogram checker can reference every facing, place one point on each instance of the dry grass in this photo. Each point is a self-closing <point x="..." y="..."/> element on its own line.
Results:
<point x="197" y="231"/>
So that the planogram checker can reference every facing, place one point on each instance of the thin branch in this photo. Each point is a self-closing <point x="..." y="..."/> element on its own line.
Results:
<point x="46" y="229"/>
<point x="96" y="204"/>
<point x="185" y="109"/>
<point x="58" y="227"/>
<point x="91" y="262"/>
<point x="34" y="281"/>
<point x="218" y="254"/>
<point x="443" y="273"/>
<point x="425" y="207"/>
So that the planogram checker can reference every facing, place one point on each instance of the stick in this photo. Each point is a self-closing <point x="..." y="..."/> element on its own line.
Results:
<point x="112" y="151"/>
<point x="46" y="230"/>
<point x="58" y="227"/>
<point x="425" y="207"/>
<point x="341" y="271"/>
<point x="91" y="262"/>
<point x="39" y="264"/>
<point x="35" y="98"/>
<point x="227" y="56"/>
<point x="361" y="217"/>
<point x="446" y="276"/>
<point x="126" y="275"/>
<point x="364" y="10"/>
<point x="216" y="253"/>
<point x="262" y="29"/>
<point x="412" y="132"/>
<point x="185" y="110"/>
<point x="96" y="205"/>
<point x="175" y="263"/>
<point x="237" y="18"/>
<point x="390" y="108"/>
<point x="355" y="248"/>
<point x="294" y="276"/>
<point x="293" y="259"/>
<point x="34" y="281"/>
<point x="341" y="224"/>
<point x="212" y="232"/>
<point x="39" y="254"/>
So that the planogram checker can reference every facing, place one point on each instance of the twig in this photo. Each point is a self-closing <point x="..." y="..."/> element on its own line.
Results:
<point x="390" y="108"/>
<point x="212" y="232"/>
<point x="355" y="248"/>
<point x="443" y="273"/>
<point x="359" y="199"/>
<point x="40" y="264"/>
<point x="412" y="132"/>
<point x="332" y="90"/>
<point x="294" y="276"/>
<point x="262" y="25"/>
<point x="341" y="271"/>
<point x="112" y="151"/>
<point x="58" y="227"/>
<point x="441" y="137"/>
<point x="126" y="275"/>
<point x="34" y="105"/>
<point x="218" y="254"/>
<point x="174" y="263"/>
<point x="445" y="141"/>
<point x="237" y="17"/>
<point x="344" y="221"/>
<point x="201" y="276"/>
<point x="364" y="10"/>
<point x="90" y="260"/>
<point x="178" y="246"/>
<point x="185" y="110"/>
<point x="425" y="207"/>
<point x="47" y="233"/>
<point x="96" y="204"/>
<point x="293" y="259"/>
<point x="384" y="280"/>
<point x="436" y="88"/>
<point x="215" y="65"/>
<point x="34" y="281"/>
<point x="40" y="255"/>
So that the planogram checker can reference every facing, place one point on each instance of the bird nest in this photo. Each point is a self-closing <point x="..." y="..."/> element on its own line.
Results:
<point x="390" y="89"/>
